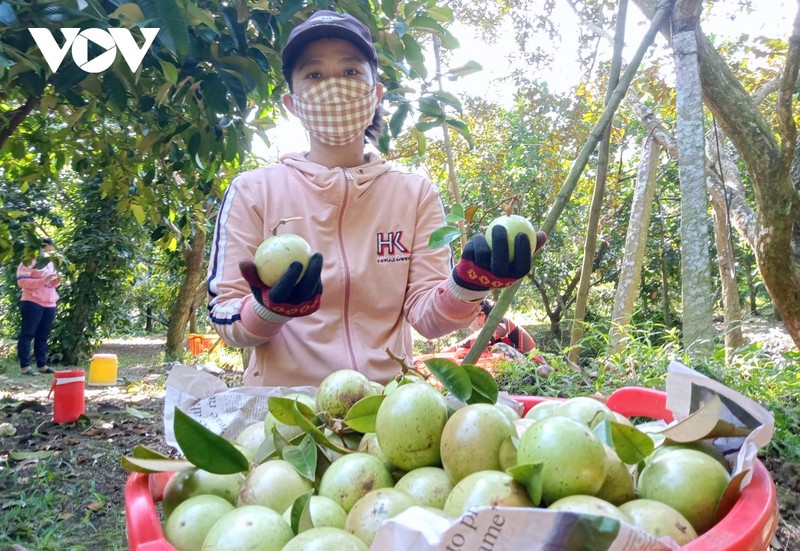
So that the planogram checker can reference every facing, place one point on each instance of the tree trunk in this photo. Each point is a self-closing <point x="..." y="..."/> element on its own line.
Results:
<point x="665" y="302"/>
<point x="698" y="328"/>
<point x="635" y="242"/>
<point x="731" y="306"/>
<point x="768" y="163"/>
<point x="179" y="316"/>
<point x="593" y="225"/>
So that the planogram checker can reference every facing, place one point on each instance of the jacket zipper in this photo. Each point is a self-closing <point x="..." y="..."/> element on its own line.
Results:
<point x="346" y="310"/>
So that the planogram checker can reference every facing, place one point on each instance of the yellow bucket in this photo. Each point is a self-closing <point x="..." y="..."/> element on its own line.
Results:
<point x="103" y="370"/>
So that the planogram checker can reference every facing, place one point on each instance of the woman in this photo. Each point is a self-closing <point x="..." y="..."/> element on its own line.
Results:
<point x="373" y="276"/>
<point x="38" y="309"/>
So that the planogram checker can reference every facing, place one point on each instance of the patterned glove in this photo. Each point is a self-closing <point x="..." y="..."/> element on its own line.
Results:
<point x="484" y="269"/>
<point x="288" y="297"/>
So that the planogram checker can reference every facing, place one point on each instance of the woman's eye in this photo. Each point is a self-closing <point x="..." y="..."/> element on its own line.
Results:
<point x="313" y="75"/>
<point x="351" y="72"/>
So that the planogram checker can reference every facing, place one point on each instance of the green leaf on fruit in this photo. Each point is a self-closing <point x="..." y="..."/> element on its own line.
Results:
<point x="453" y="377"/>
<point x="631" y="444"/>
<point x="484" y="387"/>
<point x="310" y="428"/>
<point x="282" y="409"/>
<point x="206" y="450"/>
<point x="301" y="513"/>
<point x="443" y="236"/>
<point x="361" y="415"/>
<point x="143" y="452"/>
<point x="140" y="465"/>
<point x="530" y="476"/>
<point x="302" y="457"/>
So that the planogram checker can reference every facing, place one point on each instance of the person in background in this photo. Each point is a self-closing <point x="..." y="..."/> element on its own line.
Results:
<point x="373" y="275"/>
<point x="38" y="281"/>
<point x="508" y="338"/>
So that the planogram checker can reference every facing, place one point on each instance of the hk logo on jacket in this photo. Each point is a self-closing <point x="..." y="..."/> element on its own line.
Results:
<point x="390" y="248"/>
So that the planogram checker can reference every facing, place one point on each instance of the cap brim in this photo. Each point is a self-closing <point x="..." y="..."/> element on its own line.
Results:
<point x="303" y="39"/>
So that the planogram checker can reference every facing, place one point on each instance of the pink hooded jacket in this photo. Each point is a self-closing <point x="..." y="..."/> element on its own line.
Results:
<point x="34" y="284"/>
<point x="372" y="224"/>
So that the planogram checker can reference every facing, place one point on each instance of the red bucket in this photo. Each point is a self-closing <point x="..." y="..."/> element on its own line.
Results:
<point x="68" y="397"/>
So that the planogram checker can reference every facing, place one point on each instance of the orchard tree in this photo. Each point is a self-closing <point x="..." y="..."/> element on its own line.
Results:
<point x="766" y="143"/>
<point x="179" y="126"/>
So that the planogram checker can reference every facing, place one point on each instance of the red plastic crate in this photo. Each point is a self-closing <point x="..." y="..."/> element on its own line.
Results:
<point x="749" y="526"/>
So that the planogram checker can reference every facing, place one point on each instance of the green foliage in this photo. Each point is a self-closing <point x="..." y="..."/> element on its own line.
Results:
<point x="102" y="245"/>
<point x="644" y="362"/>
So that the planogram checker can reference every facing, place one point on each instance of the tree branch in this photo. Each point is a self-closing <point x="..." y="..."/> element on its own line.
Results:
<point x="18" y="115"/>
<point x="788" y="128"/>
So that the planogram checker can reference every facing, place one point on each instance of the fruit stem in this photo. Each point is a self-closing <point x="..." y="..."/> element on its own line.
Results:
<point x="274" y="230"/>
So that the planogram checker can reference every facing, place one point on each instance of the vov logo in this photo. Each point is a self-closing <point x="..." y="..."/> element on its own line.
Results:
<point x="78" y="41"/>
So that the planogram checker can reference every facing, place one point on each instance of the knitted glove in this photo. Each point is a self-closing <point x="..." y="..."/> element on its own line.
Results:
<point x="288" y="297"/>
<point x="483" y="269"/>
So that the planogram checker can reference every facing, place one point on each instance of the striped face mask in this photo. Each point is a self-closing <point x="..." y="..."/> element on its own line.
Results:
<point x="337" y="111"/>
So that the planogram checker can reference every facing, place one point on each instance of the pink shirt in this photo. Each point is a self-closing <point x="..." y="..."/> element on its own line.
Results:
<point x="35" y="286"/>
<point x="372" y="224"/>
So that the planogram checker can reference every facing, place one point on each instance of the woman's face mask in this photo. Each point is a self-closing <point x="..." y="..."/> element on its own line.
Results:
<point x="336" y="111"/>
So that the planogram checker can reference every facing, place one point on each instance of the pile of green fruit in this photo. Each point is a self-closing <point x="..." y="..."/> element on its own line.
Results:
<point x="326" y="472"/>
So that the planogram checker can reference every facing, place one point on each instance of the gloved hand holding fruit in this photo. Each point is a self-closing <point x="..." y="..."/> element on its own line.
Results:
<point x="285" y="277"/>
<point x="499" y="258"/>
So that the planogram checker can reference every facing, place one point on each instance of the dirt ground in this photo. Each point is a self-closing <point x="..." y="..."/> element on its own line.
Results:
<point x="127" y="414"/>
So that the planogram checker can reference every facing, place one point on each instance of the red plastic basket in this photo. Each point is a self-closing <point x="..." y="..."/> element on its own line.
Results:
<point x="749" y="526"/>
<point x="201" y="343"/>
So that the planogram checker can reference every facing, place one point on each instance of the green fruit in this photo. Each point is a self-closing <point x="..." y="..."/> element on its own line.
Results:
<point x="192" y="482"/>
<point x="373" y="509"/>
<point x="704" y="446"/>
<point x="542" y="410"/>
<point x="573" y="458"/>
<point x="585" y="410"/>
<point x="369" y="444"/>
<point x="322" y="511"/>
<point x="325" y="539"/>
<point x="659" y="519"/>
<point x="277" y="252"/>
<point x="248" y="527"/>
<point x="340" y="390"/>
<point x="513" y="224"/>
<point x="618" y="487"/>
<point x="589" y="505"/>
<point x="187" y="526"/>
<point x="689" y="481"/>
<point x="508" y="411"/>
<point x="429" y="485"/>
<point x="472" y="438"/>
<point x="351" y="477"/>
<point x="409" y="425"/>
<point x="508" y="454"/>
<point x="274" y="484"/>
<point x="486" y="488"/>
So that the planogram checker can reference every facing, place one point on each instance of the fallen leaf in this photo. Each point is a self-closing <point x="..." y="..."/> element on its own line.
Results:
<point x="139" y="414"/>
<point x="73" y="441"/>
<point x="65" y="516"/>
<point x="94" y="506"/>
<point x="23" y="456"/>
